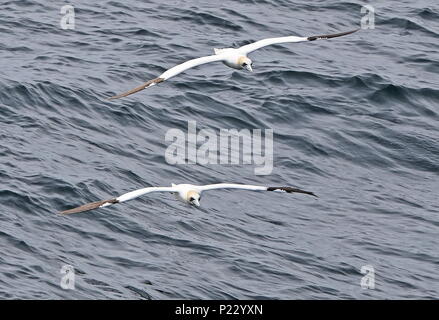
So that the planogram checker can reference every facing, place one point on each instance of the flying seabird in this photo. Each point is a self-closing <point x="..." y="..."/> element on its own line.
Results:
<point x="235" y="58"/>
<point x="188" y="193"/>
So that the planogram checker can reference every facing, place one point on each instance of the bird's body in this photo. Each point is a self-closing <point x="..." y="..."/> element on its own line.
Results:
<point x="187" y="193"/>
<point x="231" y="57"/>
<point x="184" y="192"/>
<point x="236" y="58"/>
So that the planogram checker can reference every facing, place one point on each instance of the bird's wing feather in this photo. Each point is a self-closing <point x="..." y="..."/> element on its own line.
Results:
<point x="125" y="197"/>
<point x="172" y="72"/>
<point x="266" y="42"/>
<point x="231" y="186"/>
<point x="137" y="89"/>
<point x="191" y="64"/>
<point x="252" y="188"/>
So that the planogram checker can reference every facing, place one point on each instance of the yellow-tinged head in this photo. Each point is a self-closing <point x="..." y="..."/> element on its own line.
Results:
<point x="245" y="62"/>
<point x="193" y="198"/>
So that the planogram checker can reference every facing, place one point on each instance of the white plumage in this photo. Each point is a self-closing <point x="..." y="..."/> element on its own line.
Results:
<point x="231" y="57"/>
<point x="267" y="42"/>
<point x="190" y="64"/>
<point x="186" y="192"/>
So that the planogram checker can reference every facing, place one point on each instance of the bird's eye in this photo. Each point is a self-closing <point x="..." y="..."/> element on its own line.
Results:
<point x="244" y="64"/>
<point x="191" y="199"/>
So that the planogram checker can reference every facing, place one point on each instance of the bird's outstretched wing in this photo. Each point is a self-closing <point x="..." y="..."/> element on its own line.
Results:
<point x="172" y="72"/>
<point x="125" y="197"/>
<point x="139" y="88"/>
<point x="266" y="42"/>
<point x="252" y="188"/>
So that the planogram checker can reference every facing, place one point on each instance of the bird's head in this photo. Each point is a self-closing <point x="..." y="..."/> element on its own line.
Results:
<point x="194" y="198"/>
<point x="246" y="63"/>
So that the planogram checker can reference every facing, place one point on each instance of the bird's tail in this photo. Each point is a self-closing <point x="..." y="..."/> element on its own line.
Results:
<point x="221" y="50"/>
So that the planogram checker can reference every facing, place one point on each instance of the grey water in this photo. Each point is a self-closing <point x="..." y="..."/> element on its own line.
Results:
<point x="355" y="120"/>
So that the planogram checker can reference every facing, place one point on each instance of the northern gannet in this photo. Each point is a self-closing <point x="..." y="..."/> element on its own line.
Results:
<point x="235" y="58"/>
<point x="186" y="192"/>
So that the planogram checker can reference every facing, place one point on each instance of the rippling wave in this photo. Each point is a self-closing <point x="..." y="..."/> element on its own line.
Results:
<point x="355" y="120"/>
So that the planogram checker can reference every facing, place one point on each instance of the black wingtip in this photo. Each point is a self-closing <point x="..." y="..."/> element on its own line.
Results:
<point x="89" y="206"/>
<point x="334" y="35"/>
<point x="292" y="190"/>
<point x="137" y="89"/>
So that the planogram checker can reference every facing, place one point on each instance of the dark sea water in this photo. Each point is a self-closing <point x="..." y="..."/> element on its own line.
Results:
<point x="355" y="120"/>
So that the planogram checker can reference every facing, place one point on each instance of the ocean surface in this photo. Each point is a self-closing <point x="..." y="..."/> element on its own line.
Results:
<point x="355" y="120"/>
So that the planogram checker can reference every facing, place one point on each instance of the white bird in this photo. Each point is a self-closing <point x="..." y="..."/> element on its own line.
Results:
<point x="188" y="193"/>
<point x="231" y="57"/>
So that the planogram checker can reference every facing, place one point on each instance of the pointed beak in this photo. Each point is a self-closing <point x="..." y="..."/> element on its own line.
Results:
<point x="249" y="68"/>
<point x="196" y="203"/>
